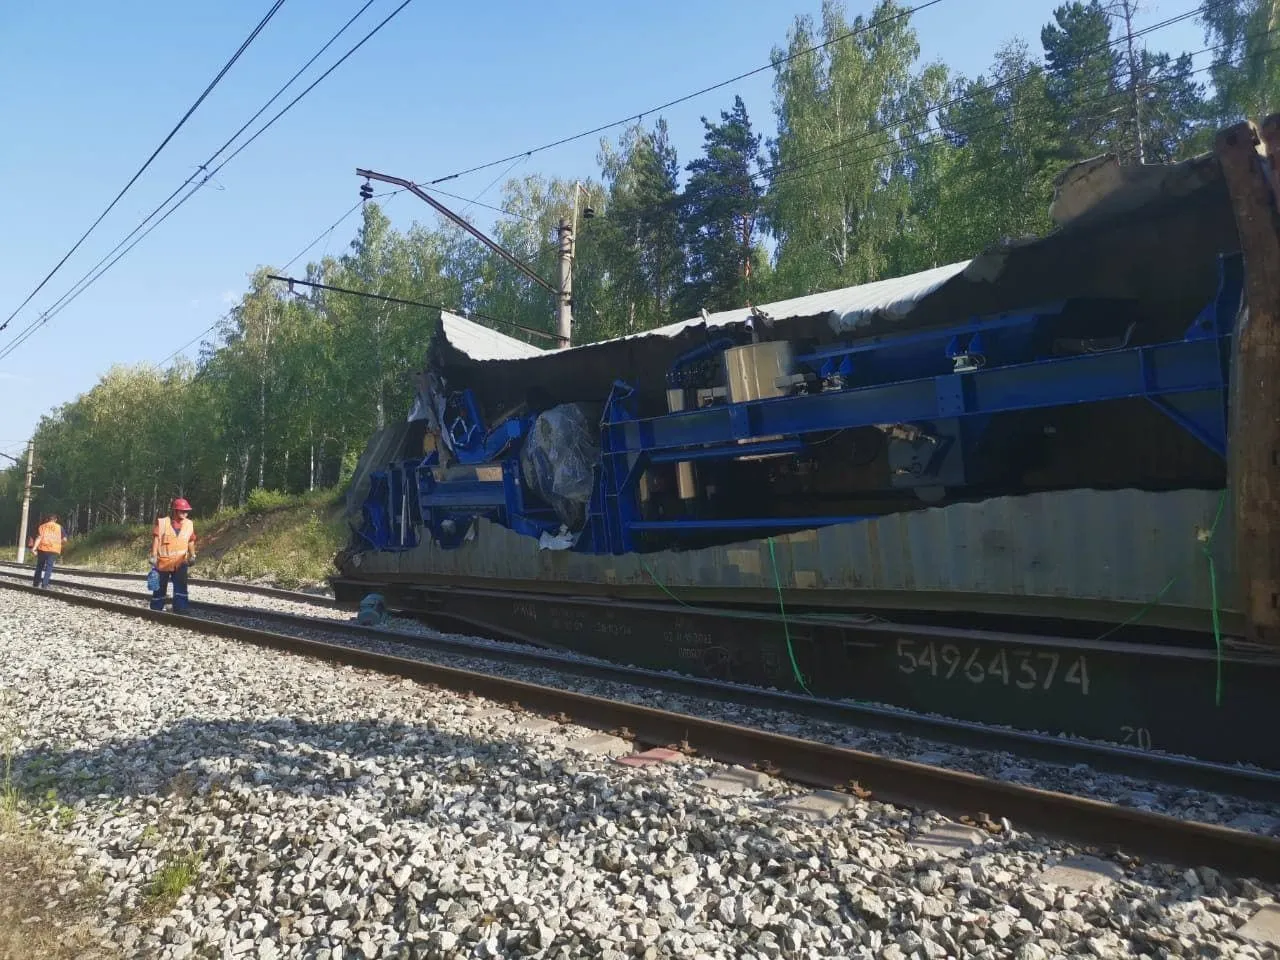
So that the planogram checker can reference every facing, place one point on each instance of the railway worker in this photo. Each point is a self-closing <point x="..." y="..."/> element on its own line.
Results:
<point x="173" y="548"/>
<point x="47" y="543"/>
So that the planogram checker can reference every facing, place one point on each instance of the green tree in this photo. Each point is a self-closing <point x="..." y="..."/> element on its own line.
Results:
<point x="1246" y="64"/>
<point x="720" y="213"/>
<point x="641" y="260"/>
<point x="849" y="114"/>
<point x="1083" y="72"/>
<point x="998" y="182"/>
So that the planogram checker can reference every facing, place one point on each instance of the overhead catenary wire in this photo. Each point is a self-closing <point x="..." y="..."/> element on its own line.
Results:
<point x="970" y="95"/>
<point x="514" y="214"/>
<point x="334" y="226"/>
<point x="904" y="145"/>
<point x="155" y="153"/>
<point x="1109" y="96"/>
<point x="291" y="281"/>
<point x="632" y="117"/>
<point x="204" y="167"/>
<point x="64" y="303"/>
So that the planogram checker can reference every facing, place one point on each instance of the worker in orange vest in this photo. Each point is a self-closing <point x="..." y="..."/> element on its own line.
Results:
<point x="173" y="548"/>
<point x="47" y="543"/>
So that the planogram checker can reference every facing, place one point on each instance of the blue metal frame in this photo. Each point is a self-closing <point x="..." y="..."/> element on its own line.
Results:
<point x="945" y="384"/>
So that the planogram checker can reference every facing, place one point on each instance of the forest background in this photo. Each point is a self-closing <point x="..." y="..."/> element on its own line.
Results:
<point x="874" y="164"/>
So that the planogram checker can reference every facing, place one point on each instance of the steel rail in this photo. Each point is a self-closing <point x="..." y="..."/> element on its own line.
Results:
<point x="1247" y="782"/>
<point x="902" y="782"/>
<point x="296" y="595"/>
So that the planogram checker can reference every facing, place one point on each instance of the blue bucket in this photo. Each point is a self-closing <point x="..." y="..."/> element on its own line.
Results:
<point x="373" y="610"/>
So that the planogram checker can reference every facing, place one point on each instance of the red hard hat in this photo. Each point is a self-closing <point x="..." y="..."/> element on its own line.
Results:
<point x="181" y="504"/>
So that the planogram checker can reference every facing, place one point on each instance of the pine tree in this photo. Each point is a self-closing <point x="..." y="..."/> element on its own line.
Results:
<point x="720" y="211"/>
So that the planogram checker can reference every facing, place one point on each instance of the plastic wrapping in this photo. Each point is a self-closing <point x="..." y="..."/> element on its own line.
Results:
<point x="559" y="460"/>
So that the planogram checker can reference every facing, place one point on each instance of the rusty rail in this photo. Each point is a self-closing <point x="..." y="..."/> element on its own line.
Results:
<point x="821" y="765"/>
<point x="1241" y="781"/>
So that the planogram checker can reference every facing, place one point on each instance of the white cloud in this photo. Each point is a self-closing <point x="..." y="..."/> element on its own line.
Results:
<point x="229" y="297"/>
<point x="18" y="377"/>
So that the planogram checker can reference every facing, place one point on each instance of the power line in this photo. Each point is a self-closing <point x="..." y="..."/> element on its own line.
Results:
<point x="155" y="153"/>
<point x="488" y="206"/>
<point x="779" y="174"/>
<point x="475" y="201"/>
<point x="636" y="117"/>
<point x="198" y="336"/>
<point x="214" y="156"/>
<point x="334" y="226"/>
<point x="63" y="304"/>
<point x="903" y="147"/>
<point x="973" y="93"/>
<point x="299" y="254"/>
<point x="412" y="303"/>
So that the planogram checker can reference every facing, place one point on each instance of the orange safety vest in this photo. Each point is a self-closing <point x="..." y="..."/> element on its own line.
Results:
<point x="49" y="538"/>
<point x="174" y="545"/>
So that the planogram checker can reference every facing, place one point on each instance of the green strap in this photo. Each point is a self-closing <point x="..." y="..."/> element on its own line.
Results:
<point x="786" y="627"/>
<point x="660" y="585"/>
<point x="1206" y="549"/>
<point x="1213" y="592"/>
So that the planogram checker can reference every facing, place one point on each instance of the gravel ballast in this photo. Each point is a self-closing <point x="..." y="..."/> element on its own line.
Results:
<point x="1080" y="779"/>
<point x="235" y="802"/>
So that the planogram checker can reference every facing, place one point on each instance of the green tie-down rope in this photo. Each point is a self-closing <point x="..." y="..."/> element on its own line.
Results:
<point x="1207" y="549"/>
<point x="660" y="585"/>
<point x="786" y="627"/>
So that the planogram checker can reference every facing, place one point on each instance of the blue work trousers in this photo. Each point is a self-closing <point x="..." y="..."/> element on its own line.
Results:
<point x="180" y="600"/>
<point x="44" y="568"/>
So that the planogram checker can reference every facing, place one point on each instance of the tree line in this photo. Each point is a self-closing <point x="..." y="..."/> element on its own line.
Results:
<point x="878" y="164"/>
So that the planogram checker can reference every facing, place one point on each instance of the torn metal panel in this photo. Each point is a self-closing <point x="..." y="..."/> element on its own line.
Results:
<point x="382" y="446"/>
<point x="1102" y="188"/>
<point x="844" y="308"/>
<point x="483" y="343"/>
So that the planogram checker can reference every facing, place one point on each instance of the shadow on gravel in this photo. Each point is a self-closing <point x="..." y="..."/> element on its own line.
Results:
<point x="393" y="770"/>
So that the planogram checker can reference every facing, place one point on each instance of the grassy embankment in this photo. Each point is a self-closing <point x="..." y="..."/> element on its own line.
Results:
<point x="275" y="538"/>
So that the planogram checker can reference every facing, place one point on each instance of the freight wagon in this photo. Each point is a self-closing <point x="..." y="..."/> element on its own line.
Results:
<point x="1035" y="437"/>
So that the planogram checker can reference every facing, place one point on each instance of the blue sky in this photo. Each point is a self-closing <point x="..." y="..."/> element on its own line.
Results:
<point x="90" y="91"/>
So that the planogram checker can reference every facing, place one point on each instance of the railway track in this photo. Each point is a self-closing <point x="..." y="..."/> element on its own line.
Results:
<point x="822" y="765"/>
<point x="315" y="599"/>
<point x="1240" y="781"/>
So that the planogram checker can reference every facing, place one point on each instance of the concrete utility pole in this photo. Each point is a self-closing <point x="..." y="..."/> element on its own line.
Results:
<point x="26" y="501"/>
<point x="564" y="300"/>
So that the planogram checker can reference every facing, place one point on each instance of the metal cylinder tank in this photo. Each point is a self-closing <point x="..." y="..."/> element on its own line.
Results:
<point x="685" y="483"/>
<point x="751" y="371"/>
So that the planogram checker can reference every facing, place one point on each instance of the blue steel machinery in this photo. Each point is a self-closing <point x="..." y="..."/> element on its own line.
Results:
<point x="922" y="405"/>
